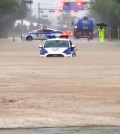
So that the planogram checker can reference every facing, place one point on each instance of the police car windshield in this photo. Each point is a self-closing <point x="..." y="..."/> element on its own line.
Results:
<point x="56" y="43"/>
<point x="33" y="31"/>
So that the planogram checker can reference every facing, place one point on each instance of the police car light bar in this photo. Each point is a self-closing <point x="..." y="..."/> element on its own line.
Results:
<point x="51" y="36"/>
<point x="64" y="36"/>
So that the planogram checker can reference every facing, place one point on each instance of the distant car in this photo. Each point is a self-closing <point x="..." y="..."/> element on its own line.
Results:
<point x="41" y="34"/>
<point x="57" y="47"/>
<point x="68" y="32"/>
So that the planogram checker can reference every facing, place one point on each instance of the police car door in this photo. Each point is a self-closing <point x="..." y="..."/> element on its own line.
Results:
<point x="39" y="35"/>
<point x="48" y="32"/>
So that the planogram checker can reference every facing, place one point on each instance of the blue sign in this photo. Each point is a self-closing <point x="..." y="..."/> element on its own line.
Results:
<point x="67" y="6"/>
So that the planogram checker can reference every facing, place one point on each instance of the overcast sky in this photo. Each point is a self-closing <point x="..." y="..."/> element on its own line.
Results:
<point x="52" y="4"/>
<point x="46" y="3"/>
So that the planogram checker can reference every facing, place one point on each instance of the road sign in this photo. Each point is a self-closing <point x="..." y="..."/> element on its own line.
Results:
<point x="67" y="6"/>
<point x="44" y="16"/>
<point x="51" y="10"/>
<point x="41" y="11"/>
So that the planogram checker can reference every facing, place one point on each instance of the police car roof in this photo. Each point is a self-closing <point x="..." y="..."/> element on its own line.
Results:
<point x="48" y="29"/>
<point x="58" y="39"/>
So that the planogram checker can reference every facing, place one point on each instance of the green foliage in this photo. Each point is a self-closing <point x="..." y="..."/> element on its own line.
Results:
<point x="66" y="19"/>
<point x="10" y="11"/>
<point x="108" y="11"/>
<point x="118" y="1"/>
<point x="7" y="6"/>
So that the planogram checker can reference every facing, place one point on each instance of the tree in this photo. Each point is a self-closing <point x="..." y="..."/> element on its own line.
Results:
<point x="118" y="1"/>
<point x="108" y="11"/>
<point x="66" y="19"/>
<point x="7" y="6"/>
<point x="10" y="11"/>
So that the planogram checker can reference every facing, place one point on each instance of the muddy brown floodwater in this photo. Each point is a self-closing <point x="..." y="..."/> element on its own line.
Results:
<point x="57" y="92"/>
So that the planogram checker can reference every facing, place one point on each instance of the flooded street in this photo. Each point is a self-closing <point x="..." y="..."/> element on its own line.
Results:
<point x="67" y="130"/>
<point x="57" y="92"/>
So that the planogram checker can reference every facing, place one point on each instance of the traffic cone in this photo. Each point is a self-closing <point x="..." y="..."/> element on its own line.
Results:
<point x="13" y="38"/>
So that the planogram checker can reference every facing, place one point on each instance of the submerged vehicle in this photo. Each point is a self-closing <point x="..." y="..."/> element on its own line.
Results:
<point x="57" y="47"/>
<point x="84" y="28"/>
<point x="40" y="34"/>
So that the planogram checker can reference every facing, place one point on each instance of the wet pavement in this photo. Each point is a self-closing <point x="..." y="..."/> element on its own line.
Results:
<point x="65" y="130"/>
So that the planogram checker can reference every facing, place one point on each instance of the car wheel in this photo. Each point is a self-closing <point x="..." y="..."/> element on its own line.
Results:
<point x="29" y="38"/>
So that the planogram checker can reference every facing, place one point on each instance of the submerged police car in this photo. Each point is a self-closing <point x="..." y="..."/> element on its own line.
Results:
<point x="57" y="47"/>
<point x="41" y="34"/>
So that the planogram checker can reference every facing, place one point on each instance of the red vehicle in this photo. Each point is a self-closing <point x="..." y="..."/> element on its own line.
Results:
<point x="69" y="33"/>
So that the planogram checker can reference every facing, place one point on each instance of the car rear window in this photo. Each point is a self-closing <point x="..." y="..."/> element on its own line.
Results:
<point x="56" y="43"/>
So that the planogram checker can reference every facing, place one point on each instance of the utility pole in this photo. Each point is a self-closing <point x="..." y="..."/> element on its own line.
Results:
<point x="69" y="16"/>
<point x="38" y="14"/>
<point x="29" y="2"/>
<point x="22" y="26"/>
<point x="62" y="21"/>
<point x="30" y="16"/>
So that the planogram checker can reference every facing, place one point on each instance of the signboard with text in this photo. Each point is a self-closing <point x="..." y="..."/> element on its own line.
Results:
<point x="45" y="16"/>
<point x="67" y="6"/>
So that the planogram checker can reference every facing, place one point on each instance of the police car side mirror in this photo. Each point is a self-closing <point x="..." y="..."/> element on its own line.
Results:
<point x="73" y="45"/>
<point x="40" y="46"/>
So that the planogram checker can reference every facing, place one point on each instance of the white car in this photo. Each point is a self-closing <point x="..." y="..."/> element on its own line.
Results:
<point x="57" y="47"/>
<point x="41" y="34"/>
